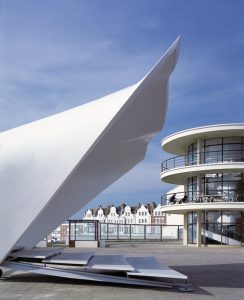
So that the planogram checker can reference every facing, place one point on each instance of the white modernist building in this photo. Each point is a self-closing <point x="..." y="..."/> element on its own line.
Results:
<point x="210" y="166"/>
<point x="51" y="168"/>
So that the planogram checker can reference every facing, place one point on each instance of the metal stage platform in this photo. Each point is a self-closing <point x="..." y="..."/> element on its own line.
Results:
<point x="116" y="269"/>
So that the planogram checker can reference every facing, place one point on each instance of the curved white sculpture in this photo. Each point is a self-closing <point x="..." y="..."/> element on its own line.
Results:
<point x="50" y="168"/>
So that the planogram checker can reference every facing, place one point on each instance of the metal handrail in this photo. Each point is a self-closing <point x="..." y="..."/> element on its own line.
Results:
<point x="205" y="157"/>
<point x="200" y="198"/>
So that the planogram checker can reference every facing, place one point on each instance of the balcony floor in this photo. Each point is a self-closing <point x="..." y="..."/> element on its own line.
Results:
<point x="186" y="207"/>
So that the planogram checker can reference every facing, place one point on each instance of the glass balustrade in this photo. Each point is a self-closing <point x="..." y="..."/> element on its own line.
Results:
<point x="206" y="157"/>
<point x="182" y="198"/>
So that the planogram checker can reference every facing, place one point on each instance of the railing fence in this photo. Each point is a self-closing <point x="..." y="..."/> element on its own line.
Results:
<point x="206" y="157"/>
<point x="94" y="230"/>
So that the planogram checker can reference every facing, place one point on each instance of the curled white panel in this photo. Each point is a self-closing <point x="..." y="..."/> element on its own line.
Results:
<point x="51" y="168"/>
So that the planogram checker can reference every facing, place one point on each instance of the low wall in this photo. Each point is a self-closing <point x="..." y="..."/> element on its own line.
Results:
<point x="86" y="244"/>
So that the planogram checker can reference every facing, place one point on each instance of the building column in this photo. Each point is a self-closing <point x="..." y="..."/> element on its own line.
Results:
<point x="199" y="161"/>
<point x="199" y="151"/>
<point x="199" y="185"/>
<point x="185" y="230"/>
<point x="199" y="228"/>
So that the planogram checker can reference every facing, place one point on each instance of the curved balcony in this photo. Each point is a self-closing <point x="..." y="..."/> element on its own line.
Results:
<point x="202" y="158"/>
<point x="198" y="197"/>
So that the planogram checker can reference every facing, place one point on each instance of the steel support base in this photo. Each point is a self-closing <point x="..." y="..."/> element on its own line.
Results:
<point x="118" y="269"/>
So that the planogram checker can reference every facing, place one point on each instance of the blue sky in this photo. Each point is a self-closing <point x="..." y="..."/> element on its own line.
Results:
<point x="58" y="54"/>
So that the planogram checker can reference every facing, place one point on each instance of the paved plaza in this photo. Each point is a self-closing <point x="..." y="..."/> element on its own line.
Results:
<point x="214" y="272"/>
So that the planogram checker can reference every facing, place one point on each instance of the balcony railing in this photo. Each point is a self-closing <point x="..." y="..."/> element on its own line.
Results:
<point x="207" y="157"/>
<point x="181" y="198"/>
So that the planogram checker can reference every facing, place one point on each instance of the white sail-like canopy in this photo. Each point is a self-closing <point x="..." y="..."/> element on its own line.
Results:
<point x="51" y="168"/>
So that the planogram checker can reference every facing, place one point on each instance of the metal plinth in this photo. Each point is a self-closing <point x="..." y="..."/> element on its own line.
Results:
<point x="150" y="267"/>
<point x="70" y="258"/>
<point x="36" y="253"/>
<point x="141" y="271"/>
<point x="109" y="263"/>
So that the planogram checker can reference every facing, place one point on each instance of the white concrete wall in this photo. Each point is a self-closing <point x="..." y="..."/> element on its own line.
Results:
<point x="86" y="244"/>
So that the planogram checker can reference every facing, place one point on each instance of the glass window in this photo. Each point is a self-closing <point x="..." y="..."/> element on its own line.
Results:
<point x="192" y="234"/>
<point x="212" y="154"/>
<point x="230" y="140"/>
<point x="224" y="187"/>
<point x="213" y="216"/>
<point x="231" y="217"/>
<point x="192" y="147"/>
<point x="231" y="176"/>
<point x="223" y="149"/>
<point x="192" y="189"/>
<point x="232" y="147"/>
<point x="222" y="227"/>
<point x="189" y="217"/>
<point x="213" y="148"/>
<point x="213" y="141"/>
<point x="192" y="217"/>
<point x="192" y="154"/>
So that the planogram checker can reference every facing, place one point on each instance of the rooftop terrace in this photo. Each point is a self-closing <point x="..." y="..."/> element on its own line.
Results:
<point x="214" y="272"/>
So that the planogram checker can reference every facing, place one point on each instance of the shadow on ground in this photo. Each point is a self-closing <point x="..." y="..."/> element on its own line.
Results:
<point x="221" y="275"/>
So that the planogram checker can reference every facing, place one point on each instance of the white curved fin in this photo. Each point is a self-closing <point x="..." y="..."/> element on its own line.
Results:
<point x="51" y="168"/>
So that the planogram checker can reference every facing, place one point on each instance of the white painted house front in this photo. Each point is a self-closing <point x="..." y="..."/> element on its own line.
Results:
<point x="127" y="217"/>
<point x="100" y="215"/>
<point x="88" y="215"/>
<point x="142" y="216"/>
<point x="112" y="217"/>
